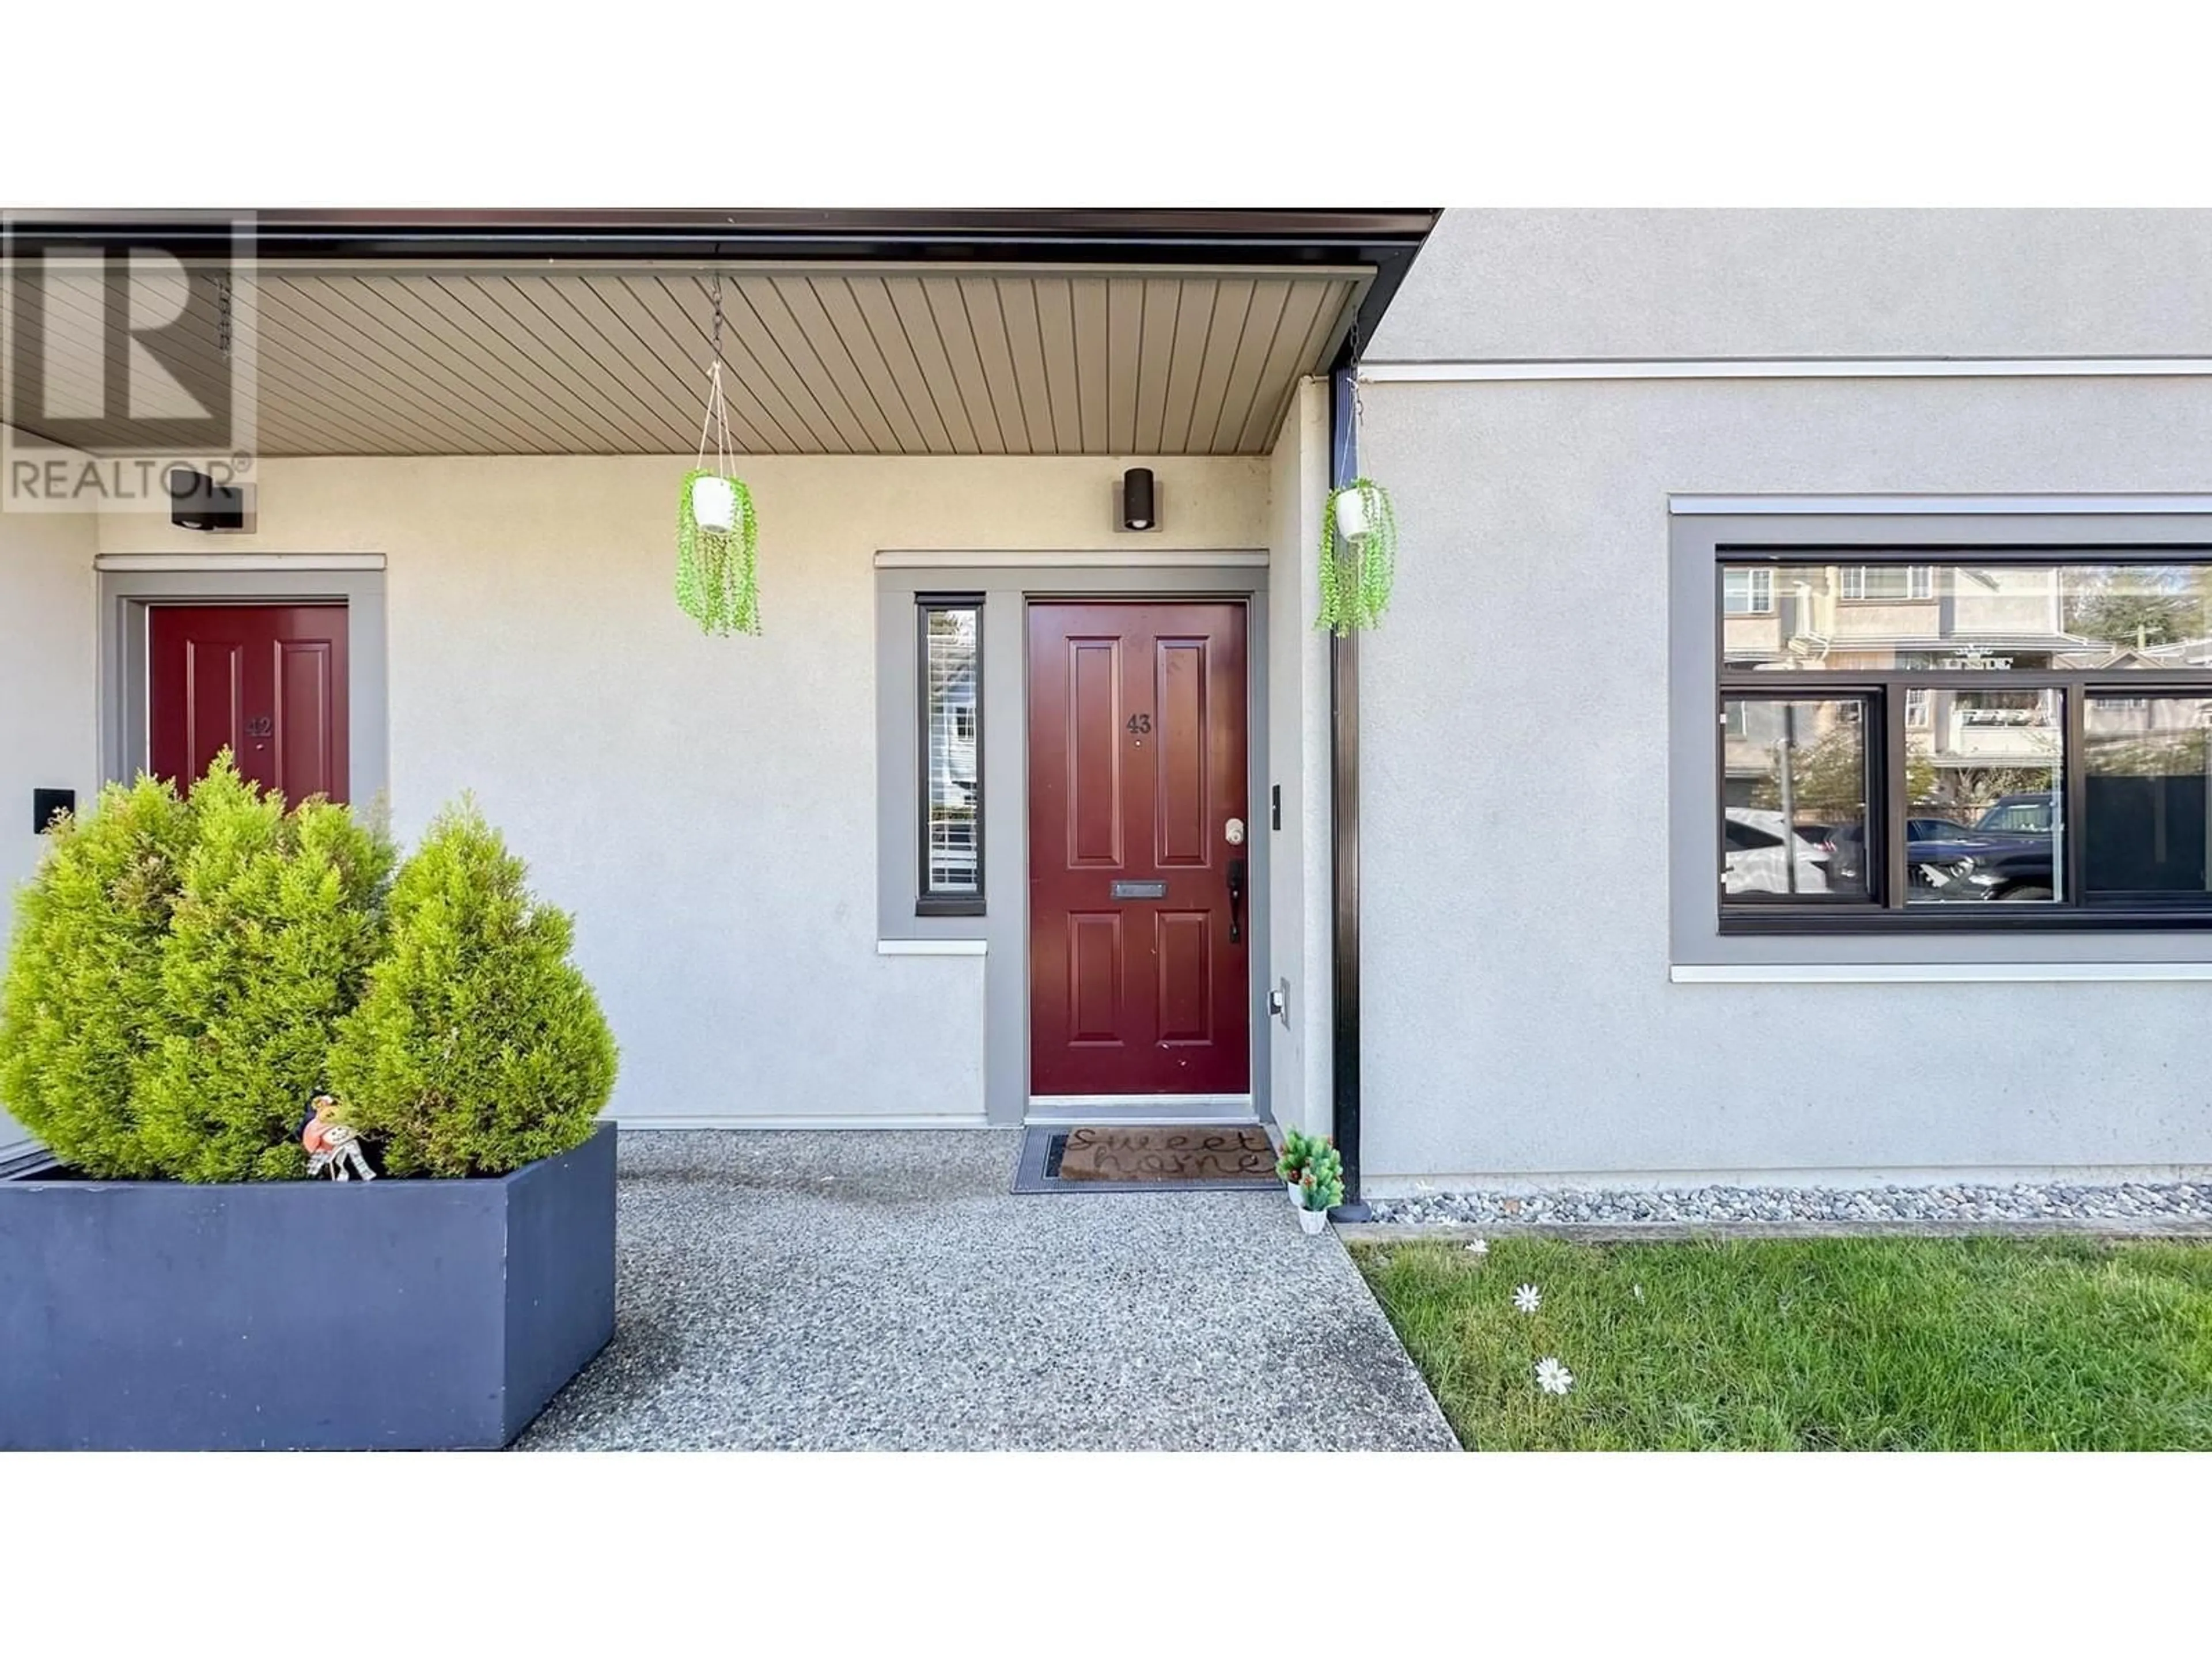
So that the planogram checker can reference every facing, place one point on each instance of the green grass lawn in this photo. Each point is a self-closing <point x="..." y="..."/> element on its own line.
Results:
<point x="1874" y="1345"/>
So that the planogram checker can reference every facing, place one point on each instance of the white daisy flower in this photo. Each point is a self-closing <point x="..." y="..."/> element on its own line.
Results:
<point x="1478" y="1246"/>
<point x="1528" y="1298"/>
<point x="1552" y="1377"/>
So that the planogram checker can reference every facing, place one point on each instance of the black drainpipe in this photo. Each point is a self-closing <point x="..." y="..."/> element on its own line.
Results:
<point x="1344" y="832"/>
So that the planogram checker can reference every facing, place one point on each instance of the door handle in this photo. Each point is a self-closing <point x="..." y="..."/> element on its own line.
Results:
<point x="1236" y="900"/>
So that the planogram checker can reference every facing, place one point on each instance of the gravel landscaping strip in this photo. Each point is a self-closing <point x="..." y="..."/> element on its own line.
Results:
<point x="2130" y="1202"/>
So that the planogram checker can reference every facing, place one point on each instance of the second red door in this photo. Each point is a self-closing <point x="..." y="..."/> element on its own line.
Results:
<point x="267" y="682"/>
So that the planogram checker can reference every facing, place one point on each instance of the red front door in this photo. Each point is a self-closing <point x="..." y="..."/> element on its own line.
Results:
<point x="1140" y="892"/>
<point x="267" y="682"/>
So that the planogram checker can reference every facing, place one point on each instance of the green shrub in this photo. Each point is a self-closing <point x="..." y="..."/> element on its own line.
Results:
<point x="479" y="1046"/>
<point x="80" y="1015"/>
<point x="278" y="918"/>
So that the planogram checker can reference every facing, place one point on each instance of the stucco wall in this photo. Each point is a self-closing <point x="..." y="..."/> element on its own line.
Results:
<point x="46" y="732"/>
<point x="1514" y="284"/>
<point x="705" y="807"/>
<point x="1520" y="1020"/>
<point x="1297" y="726"/>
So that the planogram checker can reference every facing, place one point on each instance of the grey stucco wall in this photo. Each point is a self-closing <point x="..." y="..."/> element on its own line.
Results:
<point x="1297" y="764"/>
<point x="1519" y="1018"/>
<point x="46" y="680"/>
<point x="1517" y="285"/>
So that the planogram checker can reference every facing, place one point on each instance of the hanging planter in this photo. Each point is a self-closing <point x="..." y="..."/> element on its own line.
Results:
<point x="715" y="502"/>
<point x="1358" y="556"/>
<point x="717" y="541"/>
<point x="717" y="536"/>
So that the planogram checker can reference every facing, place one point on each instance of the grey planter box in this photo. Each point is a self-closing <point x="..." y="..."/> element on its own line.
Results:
<point x="399" y="1314"/>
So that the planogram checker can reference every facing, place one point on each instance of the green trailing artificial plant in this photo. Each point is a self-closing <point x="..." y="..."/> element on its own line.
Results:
<point x="1356" y="572"/>
<point x="717" y="571"/>
<point x="717" y="568"/>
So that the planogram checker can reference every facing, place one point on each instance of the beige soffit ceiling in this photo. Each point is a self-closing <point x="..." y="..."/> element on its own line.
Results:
<point x="864" y="359"/>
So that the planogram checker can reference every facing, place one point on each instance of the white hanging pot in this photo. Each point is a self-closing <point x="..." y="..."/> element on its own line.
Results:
<point x="714" y="504"/>
<point x="1312" y="1221"/>
<point x="1352" y="514"/>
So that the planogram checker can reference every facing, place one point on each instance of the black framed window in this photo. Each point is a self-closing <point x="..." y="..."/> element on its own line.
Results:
<point x="1965" y="738"/>
<point x="950" y="752"/>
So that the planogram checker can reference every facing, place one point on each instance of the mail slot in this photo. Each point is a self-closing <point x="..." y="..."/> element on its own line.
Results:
<point x="1140" y="890"/>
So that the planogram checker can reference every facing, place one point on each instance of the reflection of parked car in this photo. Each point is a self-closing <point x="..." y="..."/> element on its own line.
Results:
<point x="2004" y="854"/>
<point x="1924" y="838"/>
<point x="1753" y="859"/>
<point x="2017" y="869"/>
<point x="2008" y="858"/>
<point x="2032" y="813"/>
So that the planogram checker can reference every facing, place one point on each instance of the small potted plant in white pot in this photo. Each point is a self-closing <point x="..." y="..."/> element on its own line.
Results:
<point x="1297" y="1153"/>
<point x="1320" y="1186"/>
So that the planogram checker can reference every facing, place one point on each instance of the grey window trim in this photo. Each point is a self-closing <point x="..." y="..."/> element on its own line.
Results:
<point x="128" y="594"/>
<point x="927" y="903"/>
<point x="1861" y="530"/>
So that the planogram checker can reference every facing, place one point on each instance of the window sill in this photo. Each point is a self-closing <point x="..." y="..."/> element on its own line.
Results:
<point x="1962" y="916"/>
<point x="931" y="947"/>
<point x="1936" y="973"/>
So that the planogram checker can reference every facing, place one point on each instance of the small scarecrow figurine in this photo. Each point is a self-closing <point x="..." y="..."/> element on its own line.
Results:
<point x="333" y="1146"/>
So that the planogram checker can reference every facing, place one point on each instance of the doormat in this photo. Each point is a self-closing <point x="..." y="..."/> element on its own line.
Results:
<point x="1195" y="1158"/>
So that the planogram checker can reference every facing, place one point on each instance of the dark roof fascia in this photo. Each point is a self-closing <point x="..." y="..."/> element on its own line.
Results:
<point x="1385" y="239"/>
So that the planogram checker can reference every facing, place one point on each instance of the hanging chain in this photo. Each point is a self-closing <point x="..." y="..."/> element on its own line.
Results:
<point x="223" y="314"/>
<point x="716" y="424"/>
<point x="1358" y="406"/>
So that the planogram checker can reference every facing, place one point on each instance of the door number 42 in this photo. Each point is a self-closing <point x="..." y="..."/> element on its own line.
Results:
<point x="1139" y="725"/>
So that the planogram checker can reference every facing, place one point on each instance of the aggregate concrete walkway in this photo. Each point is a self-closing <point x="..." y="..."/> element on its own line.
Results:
<point x="864" y="1290"/>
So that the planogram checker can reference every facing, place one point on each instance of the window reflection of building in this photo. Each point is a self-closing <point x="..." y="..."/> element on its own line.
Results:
<point x="1963" y="681"/>
<point x="1939" y="618"/>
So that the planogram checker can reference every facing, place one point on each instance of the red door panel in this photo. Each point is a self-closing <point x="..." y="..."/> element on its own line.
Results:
<point x="267" y="682"/>
<point x="1094" y="978"/>
<point x="1139" y="966"/>
<point x="306" y="735"/>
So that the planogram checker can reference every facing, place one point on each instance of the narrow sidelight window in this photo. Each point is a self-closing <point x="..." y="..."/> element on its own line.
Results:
<point x="952" y="756"/>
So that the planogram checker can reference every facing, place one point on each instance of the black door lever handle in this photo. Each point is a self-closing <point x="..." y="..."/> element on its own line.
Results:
<point x="1236" y="900"/>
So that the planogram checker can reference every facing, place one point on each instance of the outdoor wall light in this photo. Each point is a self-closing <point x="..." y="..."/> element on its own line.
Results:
<point x="198" y="502"/>
<point x="1139" y="510"/>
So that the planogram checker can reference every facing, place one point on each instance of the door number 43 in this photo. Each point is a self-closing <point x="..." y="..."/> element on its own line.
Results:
<point x="1139" y="725"/>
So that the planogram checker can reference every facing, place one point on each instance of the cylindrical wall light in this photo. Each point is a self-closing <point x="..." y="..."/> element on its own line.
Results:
<point x="1139" y="510"/>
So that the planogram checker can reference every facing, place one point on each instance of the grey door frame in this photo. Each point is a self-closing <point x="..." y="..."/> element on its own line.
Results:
<point x="1006" y="584"/>
<point x="130" y="592"/>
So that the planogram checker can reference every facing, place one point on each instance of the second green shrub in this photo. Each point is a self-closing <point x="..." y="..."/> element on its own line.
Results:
<point x="479" y="1046"/>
